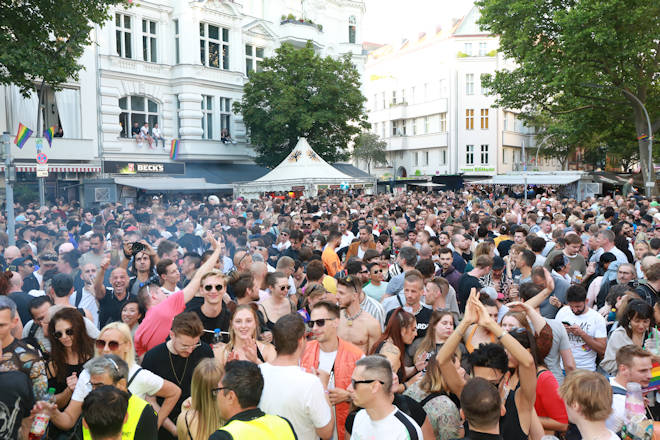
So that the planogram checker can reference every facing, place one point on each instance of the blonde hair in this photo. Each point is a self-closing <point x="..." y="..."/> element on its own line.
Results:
<point x="483" y="248"/>
<point x="433" y="382"/>
<point x="213" y="273"/>
<point x="206" y="376"/>
<point x="128" y="340"/>
<point x="591" y="391"/>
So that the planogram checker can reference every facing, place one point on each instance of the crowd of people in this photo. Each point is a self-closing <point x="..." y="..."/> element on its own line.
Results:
<point x="437" y="316"/>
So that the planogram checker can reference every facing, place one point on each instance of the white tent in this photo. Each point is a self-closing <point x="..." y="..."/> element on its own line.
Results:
<point x="302" y="170"/>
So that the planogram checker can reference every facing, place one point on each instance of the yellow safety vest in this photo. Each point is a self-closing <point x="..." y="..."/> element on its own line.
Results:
<point x="134" y="411"/>
<point x="267" y="427"/>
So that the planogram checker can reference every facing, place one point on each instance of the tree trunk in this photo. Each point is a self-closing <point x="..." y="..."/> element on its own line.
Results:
<point x="642" y="129"/>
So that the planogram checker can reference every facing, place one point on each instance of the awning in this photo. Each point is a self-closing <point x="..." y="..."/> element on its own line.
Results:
<point x="429" y="185"/>
<point x="530" y="179"/>
<point x="56" y="168"/>
<point x="169" y="184"/>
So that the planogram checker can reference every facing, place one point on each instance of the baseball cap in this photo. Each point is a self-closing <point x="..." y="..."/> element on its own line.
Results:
<point x="21" y="218"/>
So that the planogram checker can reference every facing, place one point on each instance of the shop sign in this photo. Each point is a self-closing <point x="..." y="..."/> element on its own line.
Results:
<point x="137" y="168"/>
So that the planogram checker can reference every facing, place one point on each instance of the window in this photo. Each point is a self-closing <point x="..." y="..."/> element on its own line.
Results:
<point x="225" y="115"/>
<point x="403" y="124"/>
<point x="178" y="116"/>
<point x="426" y="158"/>
<point x="467" y="48"/>
<point x="484" y="154"/>
<point x="413" y="96"/>
<point x="253" y="58"/>
<point x="352" y="22"/>
<point x="443" y="157"/>
<point x="469" y="154"/>
<point x="123" y="35"/>
<point x="384" y="100"/>
<point x="214" y="46"/>
<point x="427" y="124"/>
<point x="418" y="126"/>
<point x="375" y="102"/>
<point x="383" y="129"/>
<point x="443" y="88"/>
<point x="504" y="151"/>
<point x="412" y="126"/>
<point x="469" y="84"/>
<point x="393" y="97"/>
<point x="137" y="110"/>
<point x="207" y="117"/>
<point x="417" y="158"/>
<point x="176" y="41"/>
<point x="469" y="119"/>
<point x="482" y="49"/>
<point x="149" y="47"/>
<point x="484" y="119"/>
<point x="403" y="96"/>
<point x="443" y="122"/>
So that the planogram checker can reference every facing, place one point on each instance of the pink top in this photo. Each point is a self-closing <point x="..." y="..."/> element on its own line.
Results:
<point x="157" y="323"/>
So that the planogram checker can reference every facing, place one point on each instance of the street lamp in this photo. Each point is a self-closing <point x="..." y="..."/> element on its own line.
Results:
<point x="650" y="181"/>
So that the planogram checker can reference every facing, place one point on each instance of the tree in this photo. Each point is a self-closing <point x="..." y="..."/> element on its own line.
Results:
<point x="369" y="148"/>
<point x="601" y="53"/>
<point x="42" y="40"/>
<point x="300" y="94"/>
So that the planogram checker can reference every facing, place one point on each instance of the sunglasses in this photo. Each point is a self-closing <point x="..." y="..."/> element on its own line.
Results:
<point x="319" y="322"/>
<point x="49" y="257"/>
<point x="378" y="271"/>
<point x="28" y="264"/>
<point x="101" y="344"/>
<point x="283" y="288"/>
<point x="68" y="332"/>
<point x="357" y="382"/>
<point x="215" y="391"/>
<point x="218" y="287"/>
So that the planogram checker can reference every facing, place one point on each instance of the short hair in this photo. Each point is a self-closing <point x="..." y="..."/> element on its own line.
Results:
<point x="576" y="293"/>
<point x="111" y="364"/>
<point x="625" y="355"/>
<point x="71" y="258"/>
<point x="442" y="283"/>
<point x="591" y="391"/>
<point x="379" y="366"/>
<point x="528" y="291"/>
<point x="350" y="281"/>
<point x="7" y="303"/>
<point x="37" y="302"/>
<point x="490" y="355"/>
<point x="315" y="270"/>
<point x="244" y="378"/>
<point x="354" y="266"/>
<point x="424" y="267"/>
<point x="165" y="247"/>
<point x="161" y="267"/>
<point x="481" y="403"/>
<point x="483" y="261"/>
<point x="331" y="308"/>
<point x="62" y="284"/>
<point x="408" y="255"/>
<point x="287" y="331"/>
<point x="607" y="235"/>
<point x="333" y="235"/>
<point x="528" y="257"/>
<point x="653" y="272"/>
<point x="240" y="282"/>
<point x="444" y="250"/>
<point x="104" y="410"/>
<point x="536" y="244"/>
<point x="370" y="254"/>
<point x="572" y="239"/>
<point x="285" y="262"/>
<point x="413" y="276"/>
<point x="98" y="235"/>
<point x="272" y="277"/>
<point x="187" y="324"/>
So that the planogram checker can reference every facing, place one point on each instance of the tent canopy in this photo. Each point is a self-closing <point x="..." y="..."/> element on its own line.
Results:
<point x="530" y="179"/>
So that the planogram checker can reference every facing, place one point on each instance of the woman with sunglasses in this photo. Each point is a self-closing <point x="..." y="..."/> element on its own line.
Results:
<point x="200" y="416"/>
<point x="376" y="287"/>
<point x="243" y="339"/>
<point x="115" y="338"/>
<point x="278" y="303"/>
<point x="70" y="348"/>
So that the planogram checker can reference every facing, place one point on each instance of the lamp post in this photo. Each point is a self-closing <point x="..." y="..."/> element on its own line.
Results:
<point x="9" y="189"/>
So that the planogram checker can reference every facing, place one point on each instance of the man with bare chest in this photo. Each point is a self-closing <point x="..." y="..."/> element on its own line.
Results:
<point x="355" y="325"/>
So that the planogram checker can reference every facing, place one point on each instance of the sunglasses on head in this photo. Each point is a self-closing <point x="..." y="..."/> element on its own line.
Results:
<point x="218" y="287"/>
<point x="319" y="322"/>
<point x="58" y="334"/>
<point x="101" y="344"/>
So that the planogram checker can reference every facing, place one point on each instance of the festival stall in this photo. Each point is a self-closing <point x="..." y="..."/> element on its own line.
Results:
<point x="303" y="173"/>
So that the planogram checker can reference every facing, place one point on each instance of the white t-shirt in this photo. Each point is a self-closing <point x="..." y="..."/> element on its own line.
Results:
<point x="593" y="324"/>
<point x="298" y="396"/>
<point x="145" y="383"/>
<point x="87" y="302"/>
<point x="396" y="426"/>
<point x="616" y="419"/>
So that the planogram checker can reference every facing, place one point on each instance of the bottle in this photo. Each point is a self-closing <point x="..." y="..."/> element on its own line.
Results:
<point x="41" y="420"/>
<point x="217" y="337"/>
<point x="637" y="426"/>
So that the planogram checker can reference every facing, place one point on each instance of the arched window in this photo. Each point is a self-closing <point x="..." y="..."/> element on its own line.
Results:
<point x="136" y="109"/>
<point x="352" y="22"/>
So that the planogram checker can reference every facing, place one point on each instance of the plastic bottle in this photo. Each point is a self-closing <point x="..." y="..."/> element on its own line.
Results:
<point x="637" y="426"/>
<point x="217" y="337"/>
<point x="41" y="420"/>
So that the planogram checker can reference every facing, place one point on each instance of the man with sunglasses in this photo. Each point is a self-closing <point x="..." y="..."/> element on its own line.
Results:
<point x="25" y="268"/>
<point x="371" y="389"/>
<point x="337" y="357"/>
<point x="47" y="261"/>
<point x="212" y="311"/>
<point x="238" y="395"/>
<point x="175" y="361"/>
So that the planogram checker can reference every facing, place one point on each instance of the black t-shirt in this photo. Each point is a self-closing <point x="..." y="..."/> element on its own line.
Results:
<point x="160" y="361"/>
<point x="16" y="401"/>
<point x="465" y="285"/>
<point x="406" y="404"/>
<point x="147" y="427"/>
<point x="422" y="317"/>
<point x="110" y="307"/>
<point x="22" y="301"/>
<point x="210" y="324"/>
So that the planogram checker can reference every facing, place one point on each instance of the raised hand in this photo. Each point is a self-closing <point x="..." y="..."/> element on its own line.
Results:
<point x="71" y="381"/>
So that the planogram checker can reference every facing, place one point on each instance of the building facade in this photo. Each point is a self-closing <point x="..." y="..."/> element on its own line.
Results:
<point x="178" y="64"/>
<point x="426" y="101"/>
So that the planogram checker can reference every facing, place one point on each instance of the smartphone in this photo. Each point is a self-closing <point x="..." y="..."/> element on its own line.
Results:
<point x="566" y="323"/>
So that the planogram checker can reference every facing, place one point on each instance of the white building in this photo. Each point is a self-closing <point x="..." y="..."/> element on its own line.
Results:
<point x="426" y="101"/>
<point x="180" y="64"/>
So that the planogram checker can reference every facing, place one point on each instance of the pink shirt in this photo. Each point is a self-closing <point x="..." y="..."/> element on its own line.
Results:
<point x="157" y="323"/>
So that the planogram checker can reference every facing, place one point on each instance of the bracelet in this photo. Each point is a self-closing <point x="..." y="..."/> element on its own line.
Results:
<point x="405" y="387"/>
<point x="499" y="338"/>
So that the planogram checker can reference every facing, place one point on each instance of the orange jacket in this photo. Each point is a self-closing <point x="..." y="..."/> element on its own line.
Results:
<point x="347" y="355"/>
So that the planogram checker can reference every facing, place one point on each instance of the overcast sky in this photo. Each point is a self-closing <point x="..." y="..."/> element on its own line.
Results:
<point x="389" y="21"/>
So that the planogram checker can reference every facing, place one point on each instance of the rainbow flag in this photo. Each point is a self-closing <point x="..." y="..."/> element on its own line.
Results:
<point x="174" y="151"/>
<point x="654" y="384"/>
<point x="48" y="134"/>
<point x="22" y="135"/>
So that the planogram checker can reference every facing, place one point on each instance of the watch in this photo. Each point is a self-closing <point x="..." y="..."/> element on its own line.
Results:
<point x="504" y="332"/>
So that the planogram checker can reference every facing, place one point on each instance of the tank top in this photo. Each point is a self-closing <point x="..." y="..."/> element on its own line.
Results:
<point x="510" y="423"/>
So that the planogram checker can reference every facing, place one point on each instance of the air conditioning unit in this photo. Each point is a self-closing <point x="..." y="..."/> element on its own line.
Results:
<point x="70" y="176"/>
<point x="102" y="195"/>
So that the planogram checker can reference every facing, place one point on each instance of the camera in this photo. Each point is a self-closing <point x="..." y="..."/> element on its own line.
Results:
<point x="137" y="247"/>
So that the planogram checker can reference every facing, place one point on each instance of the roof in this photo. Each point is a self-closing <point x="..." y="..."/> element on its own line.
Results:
<point x="302" y="164"/>
<point x="468" y="24"/>
<point x="224" y="173"/>
<point x="530" y="179"/>
<point x="351" y="170"/>
<point x="169" y="184"/>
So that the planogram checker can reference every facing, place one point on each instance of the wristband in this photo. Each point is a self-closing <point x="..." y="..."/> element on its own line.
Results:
<point x="499" y="338"/>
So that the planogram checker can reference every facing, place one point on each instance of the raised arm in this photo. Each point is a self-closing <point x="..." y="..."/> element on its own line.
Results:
<point x="192" y="287"/>
<point x="537" y="300"/>
<point x="538" y="321"/>
<point x="99" y="287"/>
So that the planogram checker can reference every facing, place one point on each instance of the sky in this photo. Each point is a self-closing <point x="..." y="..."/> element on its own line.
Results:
<point x="390" y="21"/>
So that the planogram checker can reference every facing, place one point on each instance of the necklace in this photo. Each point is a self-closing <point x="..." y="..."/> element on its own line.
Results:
<point x="185" y="366"/>
<point x="350" y="319"/>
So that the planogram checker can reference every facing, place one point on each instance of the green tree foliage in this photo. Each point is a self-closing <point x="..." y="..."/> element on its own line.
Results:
<point x="42" y="40"/>
<point x="300" y="94"/>
<point x="564" y="48"/>
<point x="369" y="148"/>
